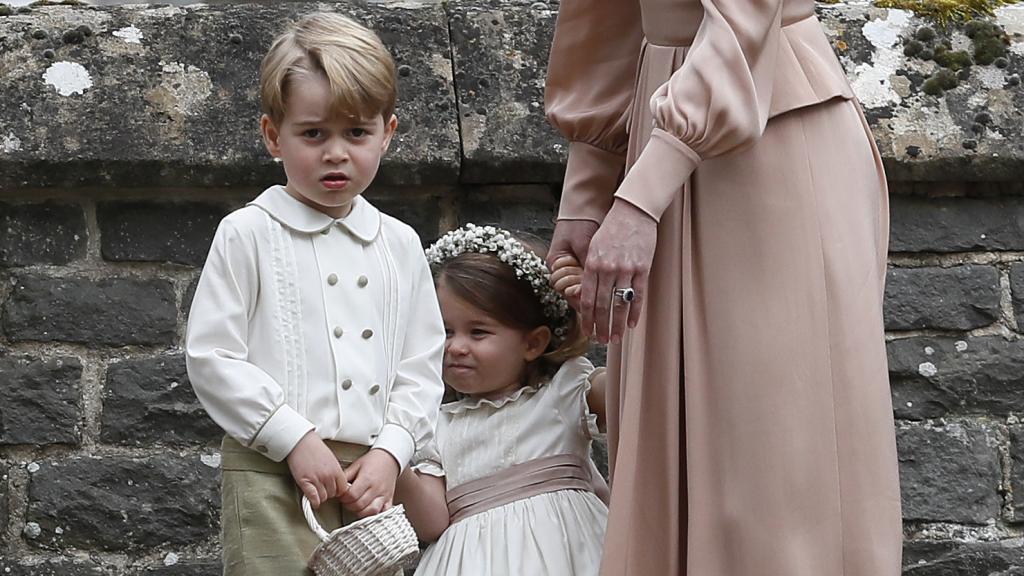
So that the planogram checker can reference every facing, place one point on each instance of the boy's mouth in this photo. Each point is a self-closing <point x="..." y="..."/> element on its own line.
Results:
<point x="335" y="180"/>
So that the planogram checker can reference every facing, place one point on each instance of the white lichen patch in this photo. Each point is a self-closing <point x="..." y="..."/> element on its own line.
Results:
<point x="929" y="127"/>
<point x="928" y="350"/>
<point x="1011" y="18"/>
<point x="183" y="89"/>
<point x="961" y="345"/>
<point x="10" y="143"/>
<point x="927" y="369"/>
<point x="32" y="530"/>
<point x="211" y="460"/>
<point x="873" y="81"/>
<point x="171" y="559"/>
<point x="130" y="35"/>
<point x="68" y="78"/>
<point x="32" y="467"/>
<point x="441" y="66"/>
<point x="991" y="78"/>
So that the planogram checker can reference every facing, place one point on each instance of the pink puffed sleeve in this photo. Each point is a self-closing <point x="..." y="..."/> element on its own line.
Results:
<point x="591" y="73"/>
<point x="716" y="102"/>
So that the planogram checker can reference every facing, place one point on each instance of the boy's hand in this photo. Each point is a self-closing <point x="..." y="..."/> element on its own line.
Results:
<point x="567" y="278"/>
<point x="373" y="478"/>
<point x="316" y="470"/>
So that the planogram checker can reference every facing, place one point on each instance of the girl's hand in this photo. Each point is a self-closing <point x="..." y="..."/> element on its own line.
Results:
<point x="372" y="488"/>
<point x="316" y="471"/>
<point x="567" y="278"/>
<point x="620" y="256"/>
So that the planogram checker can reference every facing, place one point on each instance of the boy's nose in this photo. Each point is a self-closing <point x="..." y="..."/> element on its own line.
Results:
<point x="335" y="152"/>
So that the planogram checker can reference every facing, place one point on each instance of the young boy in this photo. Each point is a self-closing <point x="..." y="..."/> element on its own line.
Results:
<point x="315" y="338"/>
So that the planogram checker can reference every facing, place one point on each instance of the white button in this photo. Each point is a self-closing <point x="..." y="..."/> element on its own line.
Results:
<point x="338" y="331"/>
<point x="346" y="384"/>
<point x="375" y="388"/>
<point x="363" y="281"/>
<point x="367" y="334"/>
<point x="332" y="279"/>
<point x="262" y="449"/>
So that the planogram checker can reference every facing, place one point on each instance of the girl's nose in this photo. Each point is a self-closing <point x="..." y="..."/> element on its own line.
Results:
<point x="456" y="346"/>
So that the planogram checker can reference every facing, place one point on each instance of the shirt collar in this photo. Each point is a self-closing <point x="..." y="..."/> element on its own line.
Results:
<point x="363" y="221"/>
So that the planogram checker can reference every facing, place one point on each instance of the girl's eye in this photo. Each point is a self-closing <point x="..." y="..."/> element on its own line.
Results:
<point x="447" y="333"/>
<point x="479" y="332"/>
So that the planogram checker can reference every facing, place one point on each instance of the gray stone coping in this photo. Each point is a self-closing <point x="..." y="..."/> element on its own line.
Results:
<point x="147" y="96"/>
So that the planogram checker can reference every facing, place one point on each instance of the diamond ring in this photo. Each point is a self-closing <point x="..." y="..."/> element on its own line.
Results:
<point x="626" y="295"/>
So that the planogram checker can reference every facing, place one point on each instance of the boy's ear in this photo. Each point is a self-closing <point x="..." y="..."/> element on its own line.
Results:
<point x="270" y="136"/>
<point x="389" y="131"/>
<point x="537" y="341"/>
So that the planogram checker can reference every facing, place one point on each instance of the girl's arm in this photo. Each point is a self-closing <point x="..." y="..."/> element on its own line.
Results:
<point x="423" y="496"/>
<point x="596" y="396"/>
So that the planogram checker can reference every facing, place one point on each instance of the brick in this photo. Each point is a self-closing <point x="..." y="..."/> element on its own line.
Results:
<point x="1017" y="470"/>
<point x="149" y="401"/>
<point x="947" y="558"/>
<point x="118" y="503"/>
<point x="178" y="232"/>
<point x="949" y="473"/>
<point x="957" y="298"/>
<point x="109" y="311"/>
<point x="956" y="224"/>
<point x="499" y="80"/>
<point x="935" y="377"/>
<point x="48" y="233"/>
<point x="530" y="209"/>
<point x="39" y="400"/>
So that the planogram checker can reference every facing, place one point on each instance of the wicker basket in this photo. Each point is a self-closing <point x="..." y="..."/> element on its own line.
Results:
<point x="380" y="545"/>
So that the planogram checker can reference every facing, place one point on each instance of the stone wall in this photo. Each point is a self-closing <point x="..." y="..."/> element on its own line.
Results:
<point x="126" y="133"/>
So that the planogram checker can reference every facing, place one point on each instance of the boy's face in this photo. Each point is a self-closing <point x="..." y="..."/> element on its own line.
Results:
<point x="328" y="161"/>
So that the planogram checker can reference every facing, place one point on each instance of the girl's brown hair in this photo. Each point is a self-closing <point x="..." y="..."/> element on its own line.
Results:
<point x="487" y="283"/>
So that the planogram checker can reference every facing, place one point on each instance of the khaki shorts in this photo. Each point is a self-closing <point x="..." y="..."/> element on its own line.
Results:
<point x="263" y="531"/>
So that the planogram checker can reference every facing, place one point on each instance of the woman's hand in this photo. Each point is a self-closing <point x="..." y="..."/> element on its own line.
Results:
<point x="571" y="238"/>
<point x="619" y="256"/>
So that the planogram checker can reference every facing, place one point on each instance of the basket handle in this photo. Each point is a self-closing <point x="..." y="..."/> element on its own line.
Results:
<point x="314" y="525"/>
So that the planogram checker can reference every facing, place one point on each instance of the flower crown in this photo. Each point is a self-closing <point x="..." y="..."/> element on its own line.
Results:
<point x="526" y="264"/>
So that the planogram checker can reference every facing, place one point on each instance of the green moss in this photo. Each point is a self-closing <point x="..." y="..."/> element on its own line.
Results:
<point x="945" y="11"/>
<point x="955" y="61"/>
<point x="913" y="48"/>
<point x="925" y="34"/>
<point x="990" y="40"/>
<point x="940" y="82"/>
<point x="6" y="10"/>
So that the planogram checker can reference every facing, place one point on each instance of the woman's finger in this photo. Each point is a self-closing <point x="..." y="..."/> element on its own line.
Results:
<point x="602" y="306"/>
<point x="619" y="308"/>
<point x="639" y="297"/>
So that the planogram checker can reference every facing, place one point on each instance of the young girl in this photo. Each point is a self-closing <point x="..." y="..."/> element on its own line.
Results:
<point x="514" y="447"/>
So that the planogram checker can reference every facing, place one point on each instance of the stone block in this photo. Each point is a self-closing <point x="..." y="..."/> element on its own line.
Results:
<point x="1017" y="290"/>
<point x="107" y="312"/>
<point x="500" y="54"/>
<point x="1017" y="470"/>
<point x="921" y="224"/>
<point x="53" y="567"/>
<point x="947" y="558"/>
<point x="47" y="233"/>
<point x="150" y="401"/>
<point x="420" y="210"/>
<point x="40" y="400"/>
<point x="178" y="232"/>
<point x="183" y="568"/>
<point x="949" y="473"/>
<point x="957" y="298"/>
<point x="171" y="98"/>
<point x="935" y="377"/>
<point x="530" y="209"/>
<point x="119" y="503"/>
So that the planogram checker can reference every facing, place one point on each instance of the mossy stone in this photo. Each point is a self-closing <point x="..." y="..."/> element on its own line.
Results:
<point x="941" y="81"/>
<point x="955" y="61"/>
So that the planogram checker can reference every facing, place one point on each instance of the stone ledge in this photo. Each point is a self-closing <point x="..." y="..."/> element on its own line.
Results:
<point x="167" y="95"/>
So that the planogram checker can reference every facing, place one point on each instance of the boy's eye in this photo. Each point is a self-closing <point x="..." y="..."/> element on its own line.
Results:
<point x="312" y="133"/>
<point x="359" y="132"/>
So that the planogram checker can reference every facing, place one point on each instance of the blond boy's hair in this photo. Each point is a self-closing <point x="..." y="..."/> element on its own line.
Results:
<point x="357" y="66"/>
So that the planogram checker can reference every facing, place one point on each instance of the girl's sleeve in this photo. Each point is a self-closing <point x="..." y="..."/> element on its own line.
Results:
<point x="717" y="102"/>
<point x="589" y="90"/>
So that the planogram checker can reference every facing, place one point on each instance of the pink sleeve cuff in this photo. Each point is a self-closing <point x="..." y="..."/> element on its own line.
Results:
<point x="658" y="175"/>
<point x="591" y="176"/>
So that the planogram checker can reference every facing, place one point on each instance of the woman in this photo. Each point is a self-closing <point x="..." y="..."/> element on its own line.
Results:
<point x="750" y="418"/>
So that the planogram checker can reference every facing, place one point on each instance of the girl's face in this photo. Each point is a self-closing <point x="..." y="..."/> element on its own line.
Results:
<point x="483" y="357"/>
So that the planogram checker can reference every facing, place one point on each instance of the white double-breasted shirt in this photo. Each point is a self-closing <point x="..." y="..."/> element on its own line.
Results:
<point x="301" y="322"/>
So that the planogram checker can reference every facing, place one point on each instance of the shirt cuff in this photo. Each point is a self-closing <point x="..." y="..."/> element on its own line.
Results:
<point x="658" y="175"/>
<point x="398" y="442"/>
<point x="280" y="433"/>
<point x="591" y="176"/>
